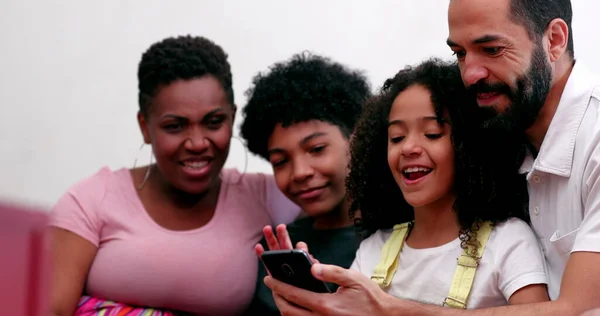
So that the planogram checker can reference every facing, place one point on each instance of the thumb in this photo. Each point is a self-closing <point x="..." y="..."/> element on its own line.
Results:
<point x="338" y="275"/>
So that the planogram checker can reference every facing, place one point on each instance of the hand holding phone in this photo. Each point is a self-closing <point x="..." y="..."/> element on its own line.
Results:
<point x="293" y="267"/>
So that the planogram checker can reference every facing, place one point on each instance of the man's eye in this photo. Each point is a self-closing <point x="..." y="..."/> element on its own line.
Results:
<point x="492" y="50"/>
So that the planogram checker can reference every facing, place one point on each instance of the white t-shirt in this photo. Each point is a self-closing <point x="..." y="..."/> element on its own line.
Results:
<point x="512" y="260"/>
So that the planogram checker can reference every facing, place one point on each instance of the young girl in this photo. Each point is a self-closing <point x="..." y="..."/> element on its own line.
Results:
<point x="444" y="209"/>
<point x="299" y="117"/>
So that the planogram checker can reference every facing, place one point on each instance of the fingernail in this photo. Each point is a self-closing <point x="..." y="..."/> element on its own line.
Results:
<point x="318" y="269"/>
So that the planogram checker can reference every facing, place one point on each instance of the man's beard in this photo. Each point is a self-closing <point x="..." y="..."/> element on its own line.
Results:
<point x="526" y="99"/>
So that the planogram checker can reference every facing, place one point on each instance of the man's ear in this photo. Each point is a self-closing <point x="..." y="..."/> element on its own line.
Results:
<point x="557" y="35"/>
<point x="143" y="123"/>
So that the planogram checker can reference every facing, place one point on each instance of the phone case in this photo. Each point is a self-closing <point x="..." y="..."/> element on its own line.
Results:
<point x="293" y="267"/>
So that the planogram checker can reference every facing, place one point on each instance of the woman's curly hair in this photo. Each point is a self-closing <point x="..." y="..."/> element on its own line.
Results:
<point x="305" y="87"/>
<point x="487" y="185"/>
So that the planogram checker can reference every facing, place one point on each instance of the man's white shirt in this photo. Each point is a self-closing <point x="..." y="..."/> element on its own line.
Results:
<point x="564" y="179"/>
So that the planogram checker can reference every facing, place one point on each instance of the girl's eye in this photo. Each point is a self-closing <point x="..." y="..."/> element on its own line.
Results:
<point x="317" y="149"/>
<point x="278" y="163"/>
<point x="460" y="54"/>
<point x="433" y="136"/>
<point x="396" y="139"/>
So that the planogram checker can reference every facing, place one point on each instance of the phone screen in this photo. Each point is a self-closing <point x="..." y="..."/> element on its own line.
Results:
<point x="293" y="267"/>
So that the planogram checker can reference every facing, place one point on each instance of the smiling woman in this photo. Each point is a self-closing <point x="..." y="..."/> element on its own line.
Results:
<point x="163" y="230"/>
<point x="189" y="127"/>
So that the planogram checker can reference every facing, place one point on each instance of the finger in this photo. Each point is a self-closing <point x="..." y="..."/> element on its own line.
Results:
<point x="272" y="242"/>
<point x="304" y="247"/>
<point x="259" y="249"/>
<point x="303" y="298"/>
<point x="287" y="308"/>
<point x="284" y="237"/>
<point x="339" y="275"/>
<point x="313" y="259"/>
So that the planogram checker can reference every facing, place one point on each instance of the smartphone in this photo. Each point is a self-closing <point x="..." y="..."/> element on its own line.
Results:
<point x="293" y="267"/>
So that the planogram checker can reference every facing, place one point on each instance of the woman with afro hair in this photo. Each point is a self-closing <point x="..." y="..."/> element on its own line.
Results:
<point x="175" y="236"/>
<point x="443" y="211"/>
<point x="299" y="117"/>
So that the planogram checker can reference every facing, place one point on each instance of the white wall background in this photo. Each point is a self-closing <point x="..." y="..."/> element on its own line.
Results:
<point x="68" y="68"/>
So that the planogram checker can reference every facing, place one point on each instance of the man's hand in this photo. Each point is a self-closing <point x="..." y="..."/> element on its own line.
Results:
<point x="357" y="294"/>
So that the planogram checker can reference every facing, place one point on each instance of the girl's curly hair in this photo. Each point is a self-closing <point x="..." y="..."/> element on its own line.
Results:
<point x="487" y="185"/>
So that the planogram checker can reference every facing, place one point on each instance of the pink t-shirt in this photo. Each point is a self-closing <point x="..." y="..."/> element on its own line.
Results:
<point x="209" y="271"/>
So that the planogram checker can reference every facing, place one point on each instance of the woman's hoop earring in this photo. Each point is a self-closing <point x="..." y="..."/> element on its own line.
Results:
<point x="245" y="159"/>
<point x="148" y="168"/>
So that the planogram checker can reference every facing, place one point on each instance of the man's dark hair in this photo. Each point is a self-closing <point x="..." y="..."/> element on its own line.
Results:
<point x="535" y="15"/>
<point x="306" y="87"/>
<point x="181" y="58"/>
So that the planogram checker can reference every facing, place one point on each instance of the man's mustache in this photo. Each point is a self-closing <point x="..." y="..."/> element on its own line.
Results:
<point x="485" y="87"/>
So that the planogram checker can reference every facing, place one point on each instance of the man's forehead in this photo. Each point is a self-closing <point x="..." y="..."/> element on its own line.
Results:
<point x="480" y="6"/>
<point x="478" y="11"/>
<point x="469" y="20"/>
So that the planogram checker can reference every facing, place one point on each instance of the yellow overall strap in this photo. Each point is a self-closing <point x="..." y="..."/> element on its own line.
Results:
<point x="464" y="275"/>
<point x="390" y="254"/>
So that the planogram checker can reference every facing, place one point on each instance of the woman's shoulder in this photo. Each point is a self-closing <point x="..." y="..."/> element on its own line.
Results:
<point x="96" y="184"/>
<point x="260" y="190"/>
<point x="81" y="208"/>
<point x="234" y="176"/>
<point x="255" y="184"/>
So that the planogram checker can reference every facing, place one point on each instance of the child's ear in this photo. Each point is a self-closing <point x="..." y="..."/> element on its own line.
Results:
<point x="233" y="112"/>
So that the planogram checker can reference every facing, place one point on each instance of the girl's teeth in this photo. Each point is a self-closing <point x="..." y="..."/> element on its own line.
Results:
<point x="416" y="169"/>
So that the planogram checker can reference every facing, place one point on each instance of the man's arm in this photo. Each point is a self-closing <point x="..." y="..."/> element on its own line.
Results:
<point x="358" y="295"/>
<point x="579" y="292"/>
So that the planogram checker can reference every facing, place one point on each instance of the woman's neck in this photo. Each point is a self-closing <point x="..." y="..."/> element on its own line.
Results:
<point x="183" y="200"/>
<point x="435" y="224"/>
<point x="339" y="217"/>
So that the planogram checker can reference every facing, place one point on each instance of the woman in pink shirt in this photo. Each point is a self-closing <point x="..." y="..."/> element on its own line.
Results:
<point x="177" y="236"/>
